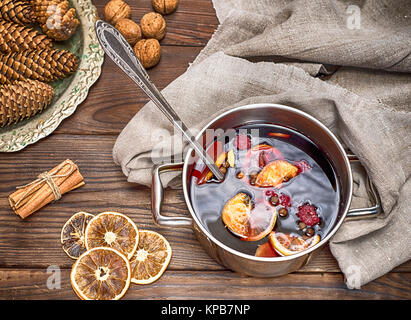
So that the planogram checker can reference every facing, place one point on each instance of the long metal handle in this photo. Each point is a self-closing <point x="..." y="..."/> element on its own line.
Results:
<point x="157" y="196"/>
<point x="117" y="48"/>
<point x="370" y="212"/>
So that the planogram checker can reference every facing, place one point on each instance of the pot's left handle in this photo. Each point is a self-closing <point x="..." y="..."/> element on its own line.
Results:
<point x="157" y="196"/>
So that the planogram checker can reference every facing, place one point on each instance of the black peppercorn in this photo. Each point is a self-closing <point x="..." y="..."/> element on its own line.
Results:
<point x="240" y="175"/>
<point x="283" y="212"/>
<point x="253" y="175"/>
<point x="274" y="200"/>
<point x="309" y="232"/>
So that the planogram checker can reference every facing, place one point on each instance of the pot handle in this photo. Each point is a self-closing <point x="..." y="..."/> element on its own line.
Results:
<point x="157" y="196"/>
<point x="369" y="212"/>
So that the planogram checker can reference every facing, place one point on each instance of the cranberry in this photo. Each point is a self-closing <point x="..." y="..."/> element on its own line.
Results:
<point x="242" y="142"/>
<point x="269" y="193"/>
<point x="285" y="200"/>
<point x="302" y="166"/>
<point x="308" y="214"/>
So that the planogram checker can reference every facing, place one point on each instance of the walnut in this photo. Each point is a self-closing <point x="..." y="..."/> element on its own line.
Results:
<point x="130" y="30"/>
<point x="116" y="10"/>
<point x="153" y="25"/>
<point x="165" y="6"/>
<point x="148" y="51"/>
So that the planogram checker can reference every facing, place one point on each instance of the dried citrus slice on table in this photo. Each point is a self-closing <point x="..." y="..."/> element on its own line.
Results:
<point x="151" y="257"/>
<point x="287" y="244"/>
<point x="72" y="234"/>
<point x="246" y="221"/>
<point x="101" y="273"/>
<point x="112" y="229"/>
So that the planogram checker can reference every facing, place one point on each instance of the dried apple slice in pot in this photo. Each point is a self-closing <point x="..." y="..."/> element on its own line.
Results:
<point x="249" y="222"/>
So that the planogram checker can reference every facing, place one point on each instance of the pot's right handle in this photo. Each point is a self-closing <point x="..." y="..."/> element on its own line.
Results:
<point x="157" y="196"/>
<point x="369" y="212"/>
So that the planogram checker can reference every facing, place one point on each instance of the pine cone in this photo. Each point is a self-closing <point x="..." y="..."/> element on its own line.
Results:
<point x="16" y="11"/>
<point x="44" y="65"/>
<point x="56" y="18"/>
<point x="23" y="99"/>
<point x="14" y="37"/>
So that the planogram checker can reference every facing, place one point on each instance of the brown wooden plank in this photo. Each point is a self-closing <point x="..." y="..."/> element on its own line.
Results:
<point x="34" y="242"/>
<point x="191" y="25"/>
<point x="203" y="285"/>
<point x="115" y="99"/>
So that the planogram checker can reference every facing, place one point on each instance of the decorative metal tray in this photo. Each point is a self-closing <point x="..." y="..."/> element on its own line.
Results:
<point x="69" y="92"/>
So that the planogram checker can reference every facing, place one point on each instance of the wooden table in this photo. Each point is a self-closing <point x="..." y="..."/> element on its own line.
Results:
<point x="28" y="248"/>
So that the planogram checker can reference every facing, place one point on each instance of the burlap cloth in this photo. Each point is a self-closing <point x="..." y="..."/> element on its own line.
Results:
<point x="365" y="102"/>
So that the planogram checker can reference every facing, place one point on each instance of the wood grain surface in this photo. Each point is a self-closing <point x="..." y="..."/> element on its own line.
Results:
<point x="28" y="247"/>
<point x="32" y="283"/>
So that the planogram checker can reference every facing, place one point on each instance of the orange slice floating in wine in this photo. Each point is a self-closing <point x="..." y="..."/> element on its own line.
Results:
<point x="275" y="173"/>
<point x="286" y="244"/>
<point x="248" y="222"/>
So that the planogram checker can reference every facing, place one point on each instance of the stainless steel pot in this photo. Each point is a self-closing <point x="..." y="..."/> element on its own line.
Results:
<point x="283" y="116"/>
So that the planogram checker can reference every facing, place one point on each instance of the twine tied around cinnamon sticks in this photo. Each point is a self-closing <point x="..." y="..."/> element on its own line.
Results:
<point x="48" y="186"/>
<point x="47" y="177"/>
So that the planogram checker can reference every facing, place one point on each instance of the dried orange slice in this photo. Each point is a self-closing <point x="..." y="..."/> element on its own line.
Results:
<point x="72" y="234"/>
<point x="248" y="222"/>
<point x="286" y="244"/>
<point x="101" y="273"/>
<point x="112" y="229"/>
<point x="151" y="257"/>
<point x="275" y="173"/>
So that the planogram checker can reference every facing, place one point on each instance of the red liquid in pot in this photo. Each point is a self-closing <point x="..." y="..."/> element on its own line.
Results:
<point x="308" y="200"/>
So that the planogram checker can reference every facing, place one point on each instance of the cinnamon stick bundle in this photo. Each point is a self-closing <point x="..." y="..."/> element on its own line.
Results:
<point x="49" y="186"/>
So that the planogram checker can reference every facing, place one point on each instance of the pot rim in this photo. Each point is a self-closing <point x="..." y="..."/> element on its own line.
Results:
<point x="248" y="256"/>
